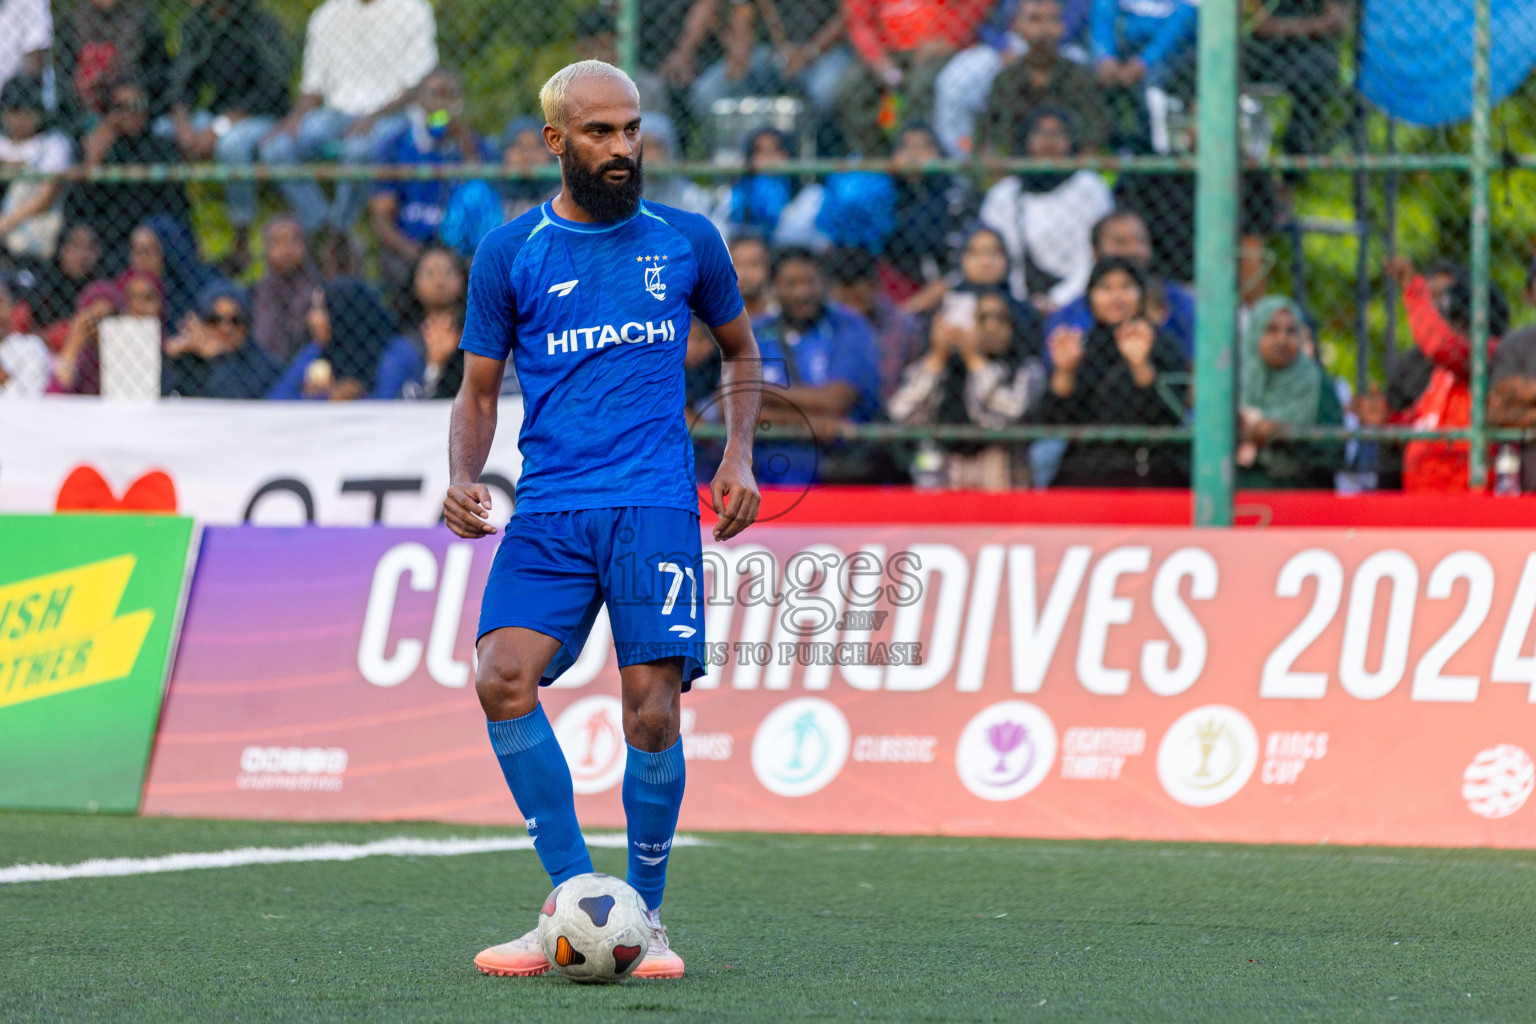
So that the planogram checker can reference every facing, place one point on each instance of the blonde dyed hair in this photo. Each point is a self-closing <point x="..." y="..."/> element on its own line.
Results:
<point x="552" y="98"/>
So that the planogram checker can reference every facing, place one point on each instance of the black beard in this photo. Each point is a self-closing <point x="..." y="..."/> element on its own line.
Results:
<point x="601" y="199"/>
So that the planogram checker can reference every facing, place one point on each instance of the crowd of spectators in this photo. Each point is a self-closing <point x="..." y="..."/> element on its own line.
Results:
<point x="1055" y="297"/>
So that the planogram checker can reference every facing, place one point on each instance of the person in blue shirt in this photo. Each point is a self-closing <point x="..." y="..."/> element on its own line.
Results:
<point x="1136" y="45"/>
<point x="821" y="363"/>
<point x="1124" y="234"/>
<point x="406" y="215"/>
<point x="593" y="293"/>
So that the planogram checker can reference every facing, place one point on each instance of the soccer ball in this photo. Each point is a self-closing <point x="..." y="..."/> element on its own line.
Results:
<point x="593" y="928"/>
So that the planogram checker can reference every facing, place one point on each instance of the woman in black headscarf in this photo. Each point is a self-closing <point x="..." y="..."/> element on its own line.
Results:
<point x="349" y="329"/>
<point x="983" y="369"/>
<point x="1123" y="370"/>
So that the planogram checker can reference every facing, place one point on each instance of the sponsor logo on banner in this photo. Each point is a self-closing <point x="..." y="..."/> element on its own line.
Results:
<point x="703" y="746"/>
<point x="1006" y="750"/>
<point x="1099" y="754"/>
<point x="800" y="747"/>
<point x="1207" y="755"/>
<point x="61" y="632"/>
<point x="591" y="733"/>
<point x="1498" y="781"/>
<point x="298" y="769"/>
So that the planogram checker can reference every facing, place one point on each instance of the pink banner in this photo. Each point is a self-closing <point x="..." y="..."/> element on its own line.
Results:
<point x="1276" y="686"/>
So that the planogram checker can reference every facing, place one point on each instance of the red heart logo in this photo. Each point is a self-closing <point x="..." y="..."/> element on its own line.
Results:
<point x="86" y="490"/>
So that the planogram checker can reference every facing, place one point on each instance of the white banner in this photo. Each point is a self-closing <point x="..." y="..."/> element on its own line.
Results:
<point x="272" y="463"/>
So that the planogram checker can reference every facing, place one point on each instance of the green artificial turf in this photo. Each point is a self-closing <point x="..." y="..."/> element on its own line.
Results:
<point x="777" y="928"/>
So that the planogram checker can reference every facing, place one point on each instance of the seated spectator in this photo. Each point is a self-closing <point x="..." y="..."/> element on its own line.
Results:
<point x="123" y="136"/>
<point x="430" y="364"/>
<point x="983" y="263"/>
<point x="349" y="330"/>
<point x="929" y="210"/>
<point x="772" y="49"/>
<point x="1512" y="385"/>
<point x="1046" y="218"/>
<point x="1137" y="45"/>
<point x="779" y="206"/>
<point x="109" y="41"/>
<point x="674" y="190"/>
<point x="236" y="53"/>
<point x="750" y="257"/>
<point x="1295" y="44"/>
<point x="406" y="215"/>
<point x="280" y="301"/>
<point x="214" y="355"/>
<point x="982" y="368"/>
<point x="1282" y="387"/>
<point x="26" y="36"/>
<point x="822" y="364"/>
<point x="523" y="150"/>
<point x="1166" y="203"/>
<point x="164" y="246"/>
<point x="1039" y="76"/>
<point x="31" y="214"/>
<point x="855" y="278"/>
<point x="24" y="357"/>
<point x="143" y="295"/>
<point x="51" y="289"/>
<point x="1442" y="334"/>
<point x="1111" y="375"/>
<point x="903" y="45"/>
<point x="363" y="61"/>
<point x="1123" y="233"/>
<point x="680" y="38"/>
<point x="597" y="38"/>
<point x="77" y="369"/>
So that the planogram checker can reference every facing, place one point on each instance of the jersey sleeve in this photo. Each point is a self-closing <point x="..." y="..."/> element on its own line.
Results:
<point x="716" y="298"/>
<point x="490" y="318"/>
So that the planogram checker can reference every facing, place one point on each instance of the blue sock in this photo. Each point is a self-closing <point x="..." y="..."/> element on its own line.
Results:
<point x="540" y="781"/>
<point x="653" y="792"/>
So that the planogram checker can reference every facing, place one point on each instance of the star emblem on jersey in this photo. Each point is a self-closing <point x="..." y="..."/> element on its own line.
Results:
<point x="564" y="288"/>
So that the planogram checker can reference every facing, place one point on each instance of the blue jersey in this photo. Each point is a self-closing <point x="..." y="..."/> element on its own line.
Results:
<point x="596" y="319"/>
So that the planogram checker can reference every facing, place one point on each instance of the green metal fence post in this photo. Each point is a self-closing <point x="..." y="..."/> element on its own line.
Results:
<point x="628" y="31"/>
<point x="1216" y="264"/>
<point x="1482" y="159"/>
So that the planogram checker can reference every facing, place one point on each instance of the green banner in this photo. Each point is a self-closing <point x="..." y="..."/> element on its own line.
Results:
<point x="88" y="612"/>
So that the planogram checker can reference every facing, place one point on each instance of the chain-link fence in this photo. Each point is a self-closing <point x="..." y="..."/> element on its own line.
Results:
<point x="967" y="227"/>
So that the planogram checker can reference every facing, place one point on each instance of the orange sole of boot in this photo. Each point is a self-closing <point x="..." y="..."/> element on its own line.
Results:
<point x="511" y="972"/>
<point x="660" y="971"/>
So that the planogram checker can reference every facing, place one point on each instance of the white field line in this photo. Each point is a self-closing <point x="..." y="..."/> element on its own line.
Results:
<point x="400" y="846"/>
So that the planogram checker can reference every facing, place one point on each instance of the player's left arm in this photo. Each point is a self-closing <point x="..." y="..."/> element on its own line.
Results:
<point x="734" y="492"/>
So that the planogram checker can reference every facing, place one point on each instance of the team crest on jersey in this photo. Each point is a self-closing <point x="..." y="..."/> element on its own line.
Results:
<point x="653" y="282"/>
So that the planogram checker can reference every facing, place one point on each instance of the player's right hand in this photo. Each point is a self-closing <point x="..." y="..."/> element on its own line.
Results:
<point x="467" y="510"/>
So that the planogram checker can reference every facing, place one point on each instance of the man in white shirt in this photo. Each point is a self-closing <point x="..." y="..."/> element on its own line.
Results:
<point x="26" y="35"/>
<point x="363" y="60"/>
<point x="24" y="361"/>
<point x="31" y="214"/>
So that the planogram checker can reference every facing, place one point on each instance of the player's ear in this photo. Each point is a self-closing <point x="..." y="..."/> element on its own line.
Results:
<point x="554" y="138"/>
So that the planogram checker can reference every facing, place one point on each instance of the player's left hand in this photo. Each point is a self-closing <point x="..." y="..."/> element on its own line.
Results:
<point x="735" y="497"/>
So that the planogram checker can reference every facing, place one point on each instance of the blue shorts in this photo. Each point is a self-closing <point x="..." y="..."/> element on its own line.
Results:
<point x="554" y="570"/>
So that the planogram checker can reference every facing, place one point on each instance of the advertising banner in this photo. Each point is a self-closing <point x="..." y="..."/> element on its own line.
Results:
<point x="274" y="463"/>
<point x="1274" y="686"/>
<point x="88" y="608"/>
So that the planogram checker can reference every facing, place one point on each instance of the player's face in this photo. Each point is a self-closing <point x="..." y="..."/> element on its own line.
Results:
<point x="599" y="151"/>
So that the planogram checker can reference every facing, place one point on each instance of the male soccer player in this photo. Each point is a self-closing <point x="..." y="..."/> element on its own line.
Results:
<point x="593" y="290"/>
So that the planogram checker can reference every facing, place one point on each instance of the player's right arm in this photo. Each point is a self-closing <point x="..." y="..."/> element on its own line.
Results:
<point x="467" y="509"/>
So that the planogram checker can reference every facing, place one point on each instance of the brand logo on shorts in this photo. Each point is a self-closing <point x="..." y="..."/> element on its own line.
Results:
<point x="591" y="733"/>
<point x="1498" y="781"/>
<point x="1006" y="750"/>
<point x="800" y="747"/>
<point x="1207" y="755"/>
